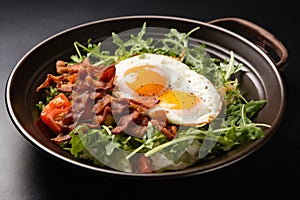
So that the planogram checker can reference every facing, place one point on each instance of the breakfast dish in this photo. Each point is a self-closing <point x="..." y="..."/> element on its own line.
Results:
<point x="149" y="106"/>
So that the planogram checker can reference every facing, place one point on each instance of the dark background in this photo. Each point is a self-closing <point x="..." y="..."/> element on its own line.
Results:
<point x="27" y="173"/>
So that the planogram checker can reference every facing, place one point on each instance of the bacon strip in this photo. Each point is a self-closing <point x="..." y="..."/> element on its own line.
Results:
<point x="159" y="120"/>
<point x="134" y="124"/>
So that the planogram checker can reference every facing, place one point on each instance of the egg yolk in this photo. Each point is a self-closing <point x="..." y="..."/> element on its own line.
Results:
<point x="146" y="80"/>
<point x="175" y="99"/>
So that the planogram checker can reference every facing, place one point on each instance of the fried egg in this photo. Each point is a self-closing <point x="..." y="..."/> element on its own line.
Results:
<point x="187" y="97"/>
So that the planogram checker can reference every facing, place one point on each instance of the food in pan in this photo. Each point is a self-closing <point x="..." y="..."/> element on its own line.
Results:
<point x="148" y="107"/>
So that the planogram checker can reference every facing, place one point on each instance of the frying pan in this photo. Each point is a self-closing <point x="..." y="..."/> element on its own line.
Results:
<point x="262" y="55"/>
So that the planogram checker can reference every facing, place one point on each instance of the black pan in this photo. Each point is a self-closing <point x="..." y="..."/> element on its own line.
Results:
<point x="263" y="56"/>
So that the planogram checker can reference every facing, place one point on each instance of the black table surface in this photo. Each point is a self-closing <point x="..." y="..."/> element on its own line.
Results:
<point x="27" y="173"/>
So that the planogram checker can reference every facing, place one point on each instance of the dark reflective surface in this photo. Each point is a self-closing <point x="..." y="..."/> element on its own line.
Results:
<point x="26" y="173"/>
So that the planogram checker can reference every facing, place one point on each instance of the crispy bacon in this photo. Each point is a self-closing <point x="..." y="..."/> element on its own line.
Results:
<point x="129" y="115"/>
<point x="61" y="138"/>
<point x="134" y="124"/>
<point x="144" y="101"/>
<point x="62" y="67"/>
<point x="96" y="78"/>
<point x="59" y="80"/>
<point x="169" y="131"/>
<point x="102" y="103"/>
<point x="66" y="78"/>
<point x="93" y="82"/>
<point x="159" y="120"/>
<point x="141" y="164"/>
<point x="105" y="117"/>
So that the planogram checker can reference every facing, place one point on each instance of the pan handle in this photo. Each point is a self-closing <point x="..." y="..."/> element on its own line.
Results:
<point x="264" y="39"/>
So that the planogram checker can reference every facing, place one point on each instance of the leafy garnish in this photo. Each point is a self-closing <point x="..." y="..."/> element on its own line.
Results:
<point x="49" y="93"/>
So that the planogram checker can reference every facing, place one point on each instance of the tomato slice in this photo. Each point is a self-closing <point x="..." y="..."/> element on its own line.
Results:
<point x="54" y="112"/>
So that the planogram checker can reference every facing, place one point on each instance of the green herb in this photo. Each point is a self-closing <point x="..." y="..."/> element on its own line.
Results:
<point x="49" y="93"/>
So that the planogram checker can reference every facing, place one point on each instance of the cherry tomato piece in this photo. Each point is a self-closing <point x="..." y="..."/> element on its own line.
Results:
<point x="54" y="112"/>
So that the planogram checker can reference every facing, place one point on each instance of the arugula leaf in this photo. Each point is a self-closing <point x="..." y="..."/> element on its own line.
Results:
<point x="229" y="68"/>
<point x="49" y="93"/>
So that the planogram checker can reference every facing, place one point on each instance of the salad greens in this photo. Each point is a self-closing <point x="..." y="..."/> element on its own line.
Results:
<point x="192" y="145"/>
